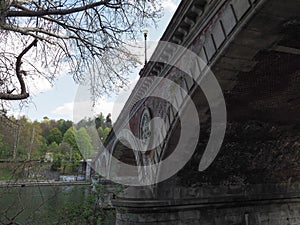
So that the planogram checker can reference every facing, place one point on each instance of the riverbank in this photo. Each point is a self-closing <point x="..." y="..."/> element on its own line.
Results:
<point x="41" y="183"/>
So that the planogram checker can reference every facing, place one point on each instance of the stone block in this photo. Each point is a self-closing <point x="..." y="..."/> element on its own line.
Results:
<point x="256" y="39"/>
<point x="240" y="7"/>
<point x="189" y="83"/>
<point x="158" y="153"/>
<point x="203" y="58"/>
<point x="209" y="47"/>
<point x="241" y="51"/>
<point x="189" y="215"/>
<point x="266" y="23"/>
<point x="171" y="114"/>
<point x="236" y="64"/>
<point x="227" y="85"/>
<point x="218" y="34"/>
<point x="167" y="124"/>
<point x="228" y="20"/>
<point x="178" y="98"/>
<point x="284" y="9"/>
<point x="225" y="74"/>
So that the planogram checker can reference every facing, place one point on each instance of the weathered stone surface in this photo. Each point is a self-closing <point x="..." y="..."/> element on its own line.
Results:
<point x="251" y="38"/>
<point x="209" y="47"/>
<point x="255" y="178"/>
<point x="253" y="152"/>
<point x="236" y="64"/>
<point x="240" y="7"/>
<point x="218" y="35"/>
<point x="241" y="52"/>
<point x="203" y="57"/>
<point x="260" y="213"/>
<point x="228" y="20"/>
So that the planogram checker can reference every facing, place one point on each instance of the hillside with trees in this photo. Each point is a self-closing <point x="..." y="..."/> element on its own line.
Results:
<point x="55" y="141"/>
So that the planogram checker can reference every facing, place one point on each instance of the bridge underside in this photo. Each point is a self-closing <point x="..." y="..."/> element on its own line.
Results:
<point x="255" y="178"/>
<point x="260" y="76"/>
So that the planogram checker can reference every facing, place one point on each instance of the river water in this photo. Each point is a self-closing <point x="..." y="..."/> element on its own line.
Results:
<point x="38" y="205"/>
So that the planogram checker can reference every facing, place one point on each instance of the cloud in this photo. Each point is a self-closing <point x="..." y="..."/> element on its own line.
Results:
<point x="170" y="5"/>
<point x="39" y="85"/>
<point x="82" y="107"/>
<point x="65" y="110"/>
<point x="80" y="110"/>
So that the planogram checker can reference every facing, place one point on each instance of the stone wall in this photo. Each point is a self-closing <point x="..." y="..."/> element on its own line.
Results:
<point x="247" y="213"/>
<point x="255" y="178"/>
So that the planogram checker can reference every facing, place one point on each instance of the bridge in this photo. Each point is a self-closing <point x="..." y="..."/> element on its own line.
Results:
<point x="238" y="162"/>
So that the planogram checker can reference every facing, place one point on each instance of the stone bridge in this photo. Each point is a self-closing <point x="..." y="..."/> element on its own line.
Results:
<point x="252" y="48"/>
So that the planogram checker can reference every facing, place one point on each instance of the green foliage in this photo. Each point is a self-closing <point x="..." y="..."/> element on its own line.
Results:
<point x="103" y="133"/>
<point x="42" y="148"/>
<point x="84" y="143"/>
<point x="92" y="132"/>
<point x="54" y="136"/>
<point x="57" y="162"/>
<point x="22" y="139"/>
<point x="65" y="149"/>
<point x="52" y="147"/>
<point x="108" y="122"/>
<point x="64" y="125"/>
<point x="6" y="173"/>
<point x="69" y="137"/>
<point x="99" y="121"/>
<point x="91" y="211"/>
<point x="4" y="148"/>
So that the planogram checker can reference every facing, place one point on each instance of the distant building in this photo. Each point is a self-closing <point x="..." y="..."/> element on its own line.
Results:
<point x="48" y="157"/>
<point x="86" y="169"/>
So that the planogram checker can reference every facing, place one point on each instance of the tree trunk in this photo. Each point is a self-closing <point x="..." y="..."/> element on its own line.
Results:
<point x="16" y="142"/>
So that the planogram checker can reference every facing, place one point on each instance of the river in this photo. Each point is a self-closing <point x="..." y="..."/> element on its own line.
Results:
<point x="38" y="204"/>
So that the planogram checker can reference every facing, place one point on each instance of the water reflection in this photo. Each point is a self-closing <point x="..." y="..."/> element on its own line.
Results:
<point x="38" y="204"/>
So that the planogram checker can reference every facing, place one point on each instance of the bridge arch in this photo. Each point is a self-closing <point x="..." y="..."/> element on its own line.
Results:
<point x="102" y="163"/>
<point x="125" y="151"/>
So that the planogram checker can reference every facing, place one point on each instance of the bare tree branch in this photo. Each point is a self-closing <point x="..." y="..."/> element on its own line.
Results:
<point x="82" y="38"/>
<point x="29" y="13"/>
<point x="23" y="94"/>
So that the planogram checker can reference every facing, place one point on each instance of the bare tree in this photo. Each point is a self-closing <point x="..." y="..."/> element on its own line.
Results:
<point x="83" y="37"/>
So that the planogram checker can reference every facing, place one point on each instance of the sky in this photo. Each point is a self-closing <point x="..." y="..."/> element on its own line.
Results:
<point x="56" y="101"/>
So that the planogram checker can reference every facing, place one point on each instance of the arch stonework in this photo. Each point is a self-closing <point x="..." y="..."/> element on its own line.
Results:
<point x="130" y="144"/>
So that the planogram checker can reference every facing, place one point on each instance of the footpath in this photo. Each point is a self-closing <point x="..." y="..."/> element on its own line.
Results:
<point x="30" y="183"/>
